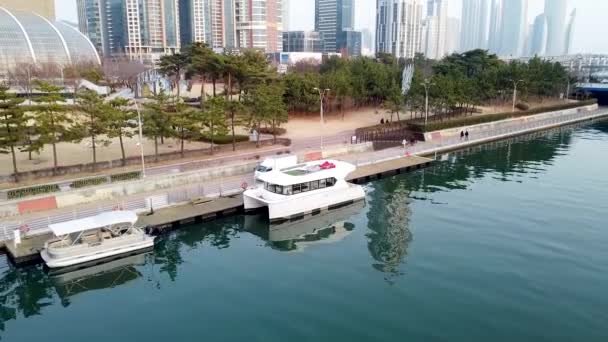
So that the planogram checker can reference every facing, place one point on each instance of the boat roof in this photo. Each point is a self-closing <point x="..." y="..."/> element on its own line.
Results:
<point x="93" y="222"/>
<point x="287" y="176"/>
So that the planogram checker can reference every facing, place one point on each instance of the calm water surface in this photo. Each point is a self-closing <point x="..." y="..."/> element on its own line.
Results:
<point x="508" y="242"/>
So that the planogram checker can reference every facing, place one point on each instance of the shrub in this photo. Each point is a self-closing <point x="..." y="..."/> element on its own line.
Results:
<point x="82" y="183"/>
<point x="121" y="177"/>
<point x="32" y="191"/>
<point x="223" y="139"/>
<point x="268" y="130"/>
<point x="418" y="125"/>
<point x="522" y="106"/>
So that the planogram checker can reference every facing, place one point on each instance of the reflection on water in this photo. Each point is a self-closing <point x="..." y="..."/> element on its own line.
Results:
<point x="25" y="292"/>
<point x="324" y="227"/>
<point x="107" y="275"/>
<point x="388" y="217"/>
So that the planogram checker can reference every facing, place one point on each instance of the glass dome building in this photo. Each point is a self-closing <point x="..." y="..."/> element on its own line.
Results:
<point x="28" y="38"/>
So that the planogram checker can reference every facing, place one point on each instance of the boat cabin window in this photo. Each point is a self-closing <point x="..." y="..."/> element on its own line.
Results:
<point x="299" y="188"/>
<point x="262" y="168"/>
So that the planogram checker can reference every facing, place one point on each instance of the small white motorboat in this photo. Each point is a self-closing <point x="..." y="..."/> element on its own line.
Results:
<point x="303" y="189"/>
<point x="93" y="238"/>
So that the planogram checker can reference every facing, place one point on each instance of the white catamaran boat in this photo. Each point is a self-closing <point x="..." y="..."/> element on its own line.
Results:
<point x="93" y="238"/>
<point x="303" y="189"/>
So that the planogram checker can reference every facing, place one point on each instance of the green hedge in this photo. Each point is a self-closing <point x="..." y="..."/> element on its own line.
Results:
<point x="82" y="183"/>
<point x="121" y="177"/>
<point x="32" y="191"/>
<point x="418" y="126"/>
<point x="268" y="130"/>
<point x="224" y="139"/>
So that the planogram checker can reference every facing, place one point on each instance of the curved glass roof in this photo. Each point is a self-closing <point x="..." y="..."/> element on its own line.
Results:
<point x="27" y="38"/>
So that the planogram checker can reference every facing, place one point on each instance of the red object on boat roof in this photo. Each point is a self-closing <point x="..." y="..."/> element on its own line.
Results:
<point x="327" y="165"/>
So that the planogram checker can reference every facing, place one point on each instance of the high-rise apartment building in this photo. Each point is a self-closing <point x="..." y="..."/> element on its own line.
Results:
<point x="152" y="28"/>
<point x="399" y="27"/>
<point x="139" y="29"/>
<point x="514" y="27"/>
<point x="555" y="12"/>
<point x="570" y="32"/>
<point x="538" y="36"/>
<point x="331" y="18"/>
<point x="259" y="24"/>
<point x="475" y="24"/>
<point x="103" y="21"/>
<point x="452" y="36"/>
<point x="349" y="43"/>
<point x="495" y="26"/>
<point x="45" y="8"/>
<point x="435" y="29"/>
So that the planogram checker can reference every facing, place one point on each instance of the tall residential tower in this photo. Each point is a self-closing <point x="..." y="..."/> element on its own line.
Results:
<point x="332" y="17"/>
<point x="555" y="11"/>
<point x="399" y="27"/>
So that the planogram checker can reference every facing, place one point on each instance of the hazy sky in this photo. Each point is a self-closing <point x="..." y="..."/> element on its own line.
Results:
<point x="590" y="24"/>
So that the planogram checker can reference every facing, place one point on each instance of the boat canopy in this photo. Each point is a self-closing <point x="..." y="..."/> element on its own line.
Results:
<point x="308" y="172"/>
<point x="94" y="222"/>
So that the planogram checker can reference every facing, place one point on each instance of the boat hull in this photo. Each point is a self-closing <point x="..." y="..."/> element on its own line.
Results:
<point x="52" y="262"/>
<point x="290" y="207"/>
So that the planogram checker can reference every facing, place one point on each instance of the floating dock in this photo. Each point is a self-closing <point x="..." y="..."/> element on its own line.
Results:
<point x="205" y="209"/>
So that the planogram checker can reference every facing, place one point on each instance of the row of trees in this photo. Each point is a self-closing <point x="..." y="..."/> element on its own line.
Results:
<point x="252" y="98"/>
<point x="456" y="84"/>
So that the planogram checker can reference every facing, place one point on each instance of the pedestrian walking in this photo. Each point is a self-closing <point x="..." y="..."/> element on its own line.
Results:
<point x="461" y="135"/>
<point x="466" y="135"/>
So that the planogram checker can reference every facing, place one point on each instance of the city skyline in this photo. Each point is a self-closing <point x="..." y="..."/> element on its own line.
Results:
<point x="589" y="14"/>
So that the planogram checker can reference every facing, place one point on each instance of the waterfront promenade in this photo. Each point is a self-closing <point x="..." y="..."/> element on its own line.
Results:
<point x="37" y="223"/>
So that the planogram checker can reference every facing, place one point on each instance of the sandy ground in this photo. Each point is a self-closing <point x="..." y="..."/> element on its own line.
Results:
<point x="301" y="127"/>
<point x="78" y="153"/>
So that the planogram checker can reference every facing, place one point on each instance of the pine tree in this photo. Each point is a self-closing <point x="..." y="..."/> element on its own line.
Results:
<point x="52" y="120"/>
<point x="13" y="125"/>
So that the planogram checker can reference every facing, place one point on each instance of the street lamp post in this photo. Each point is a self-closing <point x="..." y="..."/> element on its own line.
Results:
<point x="322" y="94"/>
<point x="427" y="85"/>
<point x="141" y="141"/>
<point x="515" y="83"/>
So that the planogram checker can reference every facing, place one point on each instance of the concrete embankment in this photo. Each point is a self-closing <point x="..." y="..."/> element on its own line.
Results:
<point x="449" y="139"/>
<point x="208" y="178"/>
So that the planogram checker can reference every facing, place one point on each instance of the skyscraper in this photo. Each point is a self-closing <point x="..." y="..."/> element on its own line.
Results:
<point x="286" y="10"/>
<point x="399" y="27"/>
<point x="436" y="29"/>
<point x="45" y="8"/>
<point x="259" y="24"/>
<point x="495" y="26"/>
<point x="474" y="31"/>
<point x="570" y="32"/>
<point x="331" y="18"/>
<point x="514" y="26"/>
<point x="103" y="21"/>
<point x="207" y="21"/>
<point x="452" y="36"/>
<point x="555" y="11"/>
<point x="152" y="28"/>
<point x="538" y="36"/>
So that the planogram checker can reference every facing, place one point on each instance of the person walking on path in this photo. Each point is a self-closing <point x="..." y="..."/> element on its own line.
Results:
<point x="466" y="135"/>
<point x="461" y="135"/>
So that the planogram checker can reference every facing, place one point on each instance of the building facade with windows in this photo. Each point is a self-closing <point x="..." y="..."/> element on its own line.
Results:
<point x="302" y="41"/>
<point x="259" y="25"/>
<point x="399" y="27"/>
<point x="331" y="18"/>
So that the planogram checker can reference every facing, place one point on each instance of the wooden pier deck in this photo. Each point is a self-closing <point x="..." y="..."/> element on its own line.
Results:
<point x="388" y="168"/>
<point x="204" y="209"/>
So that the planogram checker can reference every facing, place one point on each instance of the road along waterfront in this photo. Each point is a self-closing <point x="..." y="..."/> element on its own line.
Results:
<point x="503" y="242"/>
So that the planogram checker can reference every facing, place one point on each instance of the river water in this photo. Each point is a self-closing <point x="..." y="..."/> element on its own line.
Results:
<point x="505" y="242"/>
